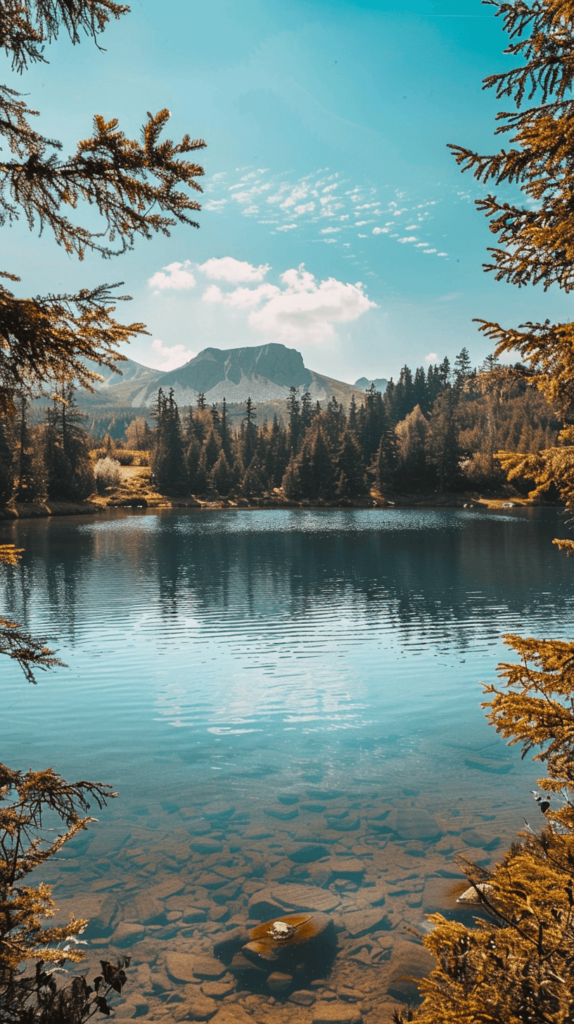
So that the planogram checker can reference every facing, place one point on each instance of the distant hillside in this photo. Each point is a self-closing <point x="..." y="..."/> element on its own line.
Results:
<point x="261" y="372"/>
<point x="364" y="383"/>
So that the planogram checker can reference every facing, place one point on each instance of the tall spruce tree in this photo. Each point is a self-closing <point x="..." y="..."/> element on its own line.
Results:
<point x="7" y="458"/>
<point x="66" y="450"/>
<point x="168" y="464"/>
<point x="519" y="967"/>
<point x="443" y="451"/>
<point x="351" y="476"/>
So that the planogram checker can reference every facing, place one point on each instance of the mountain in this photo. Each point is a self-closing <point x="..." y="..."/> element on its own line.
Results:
<point x="364" y="383"/>
<point x="261" y="372"/>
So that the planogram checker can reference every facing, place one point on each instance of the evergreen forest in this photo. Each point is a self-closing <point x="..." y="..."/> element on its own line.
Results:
<point x="432" y="431"/>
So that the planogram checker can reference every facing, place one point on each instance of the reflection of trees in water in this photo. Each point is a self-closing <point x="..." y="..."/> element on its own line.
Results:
<point x="437" y="582"/>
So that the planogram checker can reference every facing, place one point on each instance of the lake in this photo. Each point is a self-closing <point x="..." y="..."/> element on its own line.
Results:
<point x="288" y="703"/>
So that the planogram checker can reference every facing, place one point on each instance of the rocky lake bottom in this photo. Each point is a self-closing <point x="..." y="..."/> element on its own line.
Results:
<point x="181" y="897"/>
<point x="289" y="706"/>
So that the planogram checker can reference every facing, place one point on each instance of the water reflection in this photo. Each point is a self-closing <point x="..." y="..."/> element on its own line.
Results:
<point x="312" y="677"/>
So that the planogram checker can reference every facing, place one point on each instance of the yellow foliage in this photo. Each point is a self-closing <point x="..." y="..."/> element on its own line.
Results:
<point x="516" y="965"/>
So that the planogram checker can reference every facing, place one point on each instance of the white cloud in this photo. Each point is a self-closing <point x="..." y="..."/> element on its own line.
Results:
<point x="241" y="298"/>
<point x="213" y="294"/>
<point x="329" y="231"/>
<point x="175" y="275"/>
<point x="429" y="250"/>
<point x="380" y="231"/>
<point x="287" y="227"/>
<point x="410" y="238"/>
<point x="432" y="356"/>
<point x="234" y="271"/>
<point x="169" y="357"/>
<point x="305" y="309"/>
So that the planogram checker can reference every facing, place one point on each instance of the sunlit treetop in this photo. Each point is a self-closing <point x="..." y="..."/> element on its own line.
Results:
<point x="27" y="25"/>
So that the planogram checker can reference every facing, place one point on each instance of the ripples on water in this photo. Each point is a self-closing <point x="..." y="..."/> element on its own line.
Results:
<point x="239" y="656"/>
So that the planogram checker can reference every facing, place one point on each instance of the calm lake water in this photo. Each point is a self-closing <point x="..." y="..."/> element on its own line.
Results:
<point x="258" y="684"/>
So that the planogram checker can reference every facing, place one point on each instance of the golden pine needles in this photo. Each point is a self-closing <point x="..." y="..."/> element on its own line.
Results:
<point x="516" y="966"/>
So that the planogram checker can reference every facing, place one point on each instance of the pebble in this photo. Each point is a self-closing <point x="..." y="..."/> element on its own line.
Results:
<point x="302" y="997"/>
<point x="279" y="981"/>
<point x="351" y="867"/>
<point x="408" y="959"/>
<point x="127" y="933"/>
<point x="218" y="989"/>
<point x="197" y="1006"/>
<point x="277" y="812"/>
<point x="413" y="823"/>
<point x="359" y="922"/>
<point x="308" y="853"/>
<point x="206" y="846"/>
<point x="218" y="810"/>
<point x="188" y="967"/>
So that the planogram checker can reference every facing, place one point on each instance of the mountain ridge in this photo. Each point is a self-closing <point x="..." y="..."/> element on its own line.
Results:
<point x="264" y="373"/>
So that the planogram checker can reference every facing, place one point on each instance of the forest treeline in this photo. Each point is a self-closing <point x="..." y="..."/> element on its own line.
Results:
<point x="432" y="430"/>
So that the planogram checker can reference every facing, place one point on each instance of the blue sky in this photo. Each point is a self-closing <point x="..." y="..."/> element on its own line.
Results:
<point x="334" y="217"/>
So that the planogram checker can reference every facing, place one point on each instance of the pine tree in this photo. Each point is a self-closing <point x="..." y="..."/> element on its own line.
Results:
<point x="351" y="476"/>
<point x="372" y="422"/>
<point x="412" y="449"/>
<point x="521" y="968"/>
<point x="138" y="434"/>
<point x="248" y="434"/>
<point x="220" y="477"/>
<point x="384" y="465"/>
<point x="212" y="449"/>
<point x="66" y="450"/>
<point x="462" y="369"/>
<point x="294" y="416"/>
<point x="136" y="188"/>
<point x="168" y="464"/>
<point x="7" y="459"/>
<point x="31" y="470"/>
<point x="442" y="441"/>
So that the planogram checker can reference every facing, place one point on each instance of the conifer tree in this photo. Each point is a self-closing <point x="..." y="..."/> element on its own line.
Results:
<point x="248" y="434"/>
<point x="384" y="465"/>
<point x="66" y="450"/>
<point x="372" y="422"/>
<point x="351" y="476"/>
<point x="220" y="477"/>
<point x="442" y="441"/>
<point x="138" y="434"/>
<point x="31" y="469"/>
<point x="462" y="368"/>
<point x="7" y="458"/>
<point x="294" y="415"/>
<point x="520" y="968"/>
<point x="412" y="447"/>
<point x="167" y="457"/>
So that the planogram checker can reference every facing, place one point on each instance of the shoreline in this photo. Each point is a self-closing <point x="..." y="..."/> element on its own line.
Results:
<point x="51" y="509"/>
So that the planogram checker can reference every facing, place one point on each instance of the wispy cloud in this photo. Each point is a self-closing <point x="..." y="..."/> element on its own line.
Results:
<point x="175" y="275"/>
<point x="169" y="357"/>
<point x="315" y="201"/>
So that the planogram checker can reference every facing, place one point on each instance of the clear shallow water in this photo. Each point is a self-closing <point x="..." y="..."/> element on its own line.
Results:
<point x="314" y="670"/>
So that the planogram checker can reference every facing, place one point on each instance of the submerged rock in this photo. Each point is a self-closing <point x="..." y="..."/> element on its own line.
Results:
<point x="278" y="982"/>
<point x="298" y="939"/>
<point x="285" y="951"/>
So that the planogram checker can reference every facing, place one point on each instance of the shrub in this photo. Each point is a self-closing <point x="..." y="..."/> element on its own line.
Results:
<point x="107" y="473"/>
